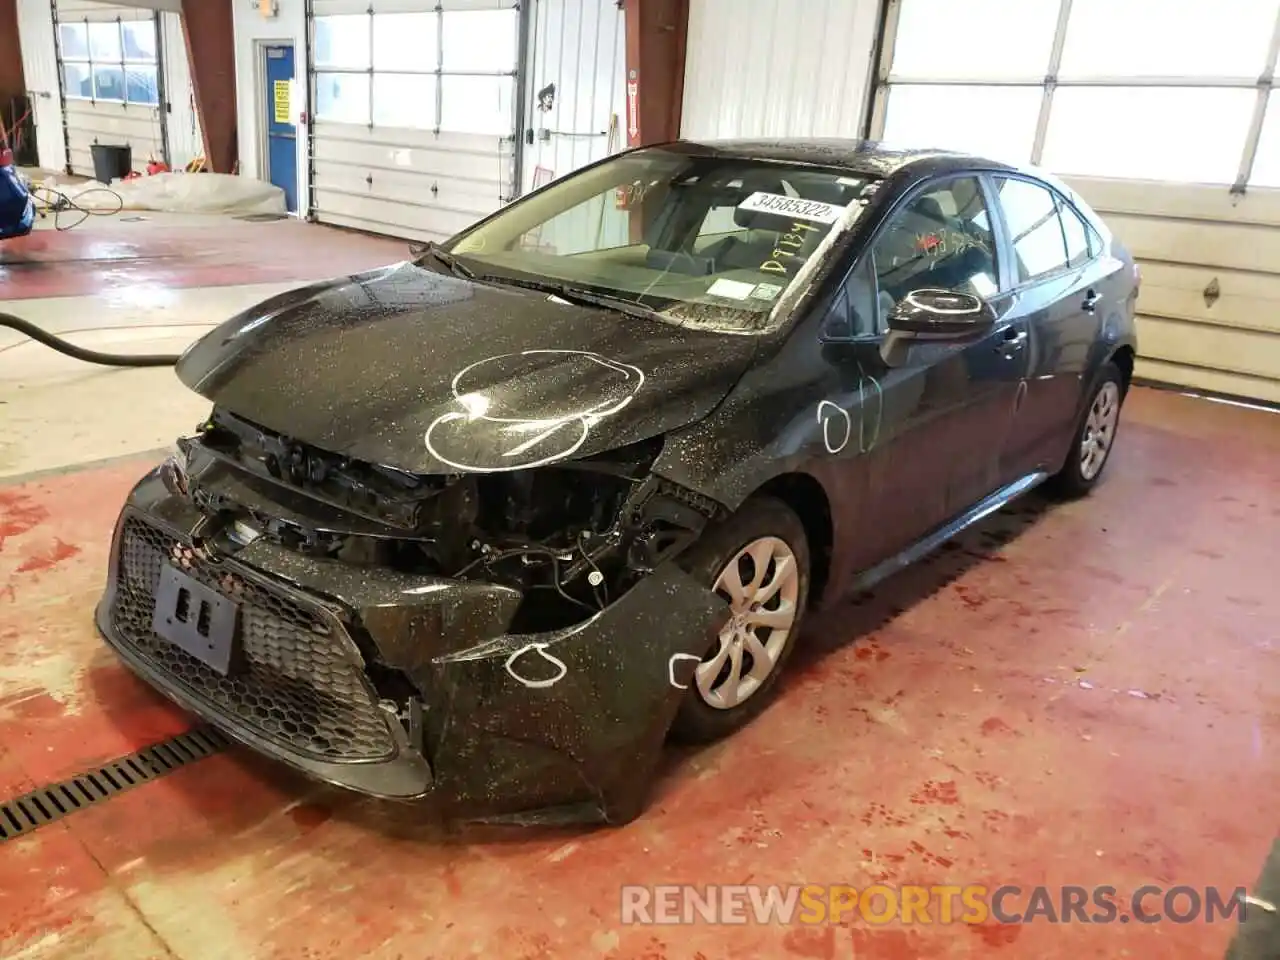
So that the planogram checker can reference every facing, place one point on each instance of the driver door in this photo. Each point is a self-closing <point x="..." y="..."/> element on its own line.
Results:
<point x="945" y="408"/>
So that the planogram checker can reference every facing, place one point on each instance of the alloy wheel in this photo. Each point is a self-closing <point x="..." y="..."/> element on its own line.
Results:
<point x="1099" y="430"/>
<point x="762" y="585"/>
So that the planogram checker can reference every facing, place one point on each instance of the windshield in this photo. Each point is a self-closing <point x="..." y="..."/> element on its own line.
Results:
<point x="707" y="241"/>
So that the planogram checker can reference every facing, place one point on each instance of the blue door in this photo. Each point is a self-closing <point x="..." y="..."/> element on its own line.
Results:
<point x="282" y="136"/>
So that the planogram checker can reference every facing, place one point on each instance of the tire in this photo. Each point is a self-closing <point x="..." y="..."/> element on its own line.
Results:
<point x="713" y="708"/>
<point x="1099" y="418"/>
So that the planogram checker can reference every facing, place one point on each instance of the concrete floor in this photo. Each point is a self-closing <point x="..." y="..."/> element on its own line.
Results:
<point x="1085" y="694"/>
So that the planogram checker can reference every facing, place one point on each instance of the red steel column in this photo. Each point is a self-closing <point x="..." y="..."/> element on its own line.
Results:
<point x="211" y="51"/>
<point x="656" y="35"/>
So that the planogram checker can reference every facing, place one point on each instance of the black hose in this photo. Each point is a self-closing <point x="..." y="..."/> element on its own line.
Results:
<point x="80" y="353"/>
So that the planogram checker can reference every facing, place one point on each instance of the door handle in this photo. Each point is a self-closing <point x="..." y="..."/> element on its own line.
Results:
<point x="1012" y="341"/>
<point x="1091" y="301"/>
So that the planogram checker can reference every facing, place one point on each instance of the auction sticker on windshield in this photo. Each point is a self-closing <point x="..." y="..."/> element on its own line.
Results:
<point x="796" y="207"/>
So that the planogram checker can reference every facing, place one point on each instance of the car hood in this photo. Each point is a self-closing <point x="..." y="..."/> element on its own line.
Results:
<point x="431" y="373"/>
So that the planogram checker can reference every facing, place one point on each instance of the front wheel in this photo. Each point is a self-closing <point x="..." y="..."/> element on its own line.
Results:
<point x="758" y="561"/>
<point x="1095" y="436"/>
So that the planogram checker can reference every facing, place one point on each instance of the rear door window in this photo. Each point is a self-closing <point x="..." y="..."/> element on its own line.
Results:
<point x="1076" y="234"/>
<point x="1035" y="229"/>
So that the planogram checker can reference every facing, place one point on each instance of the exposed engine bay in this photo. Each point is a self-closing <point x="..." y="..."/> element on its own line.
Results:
<point x="571" y="536"/>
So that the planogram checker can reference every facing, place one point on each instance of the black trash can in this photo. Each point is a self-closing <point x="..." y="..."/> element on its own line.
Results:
<point x="111" y="162"/>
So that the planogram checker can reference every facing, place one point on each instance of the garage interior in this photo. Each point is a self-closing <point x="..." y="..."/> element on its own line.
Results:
<point x="1082" y="694"/>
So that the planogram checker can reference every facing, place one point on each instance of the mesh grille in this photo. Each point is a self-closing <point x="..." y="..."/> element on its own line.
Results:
<point x="295" y="686"/>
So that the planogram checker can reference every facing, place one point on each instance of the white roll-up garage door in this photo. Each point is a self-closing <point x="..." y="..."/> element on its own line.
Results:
<point x="414" y="126"/>
<point x="109" y="57"/>
<point x="1172" y="133"/>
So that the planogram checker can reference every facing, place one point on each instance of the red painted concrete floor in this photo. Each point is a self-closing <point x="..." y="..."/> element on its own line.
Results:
<point x="168" y="252"/>
<point x="1083" y="694"/>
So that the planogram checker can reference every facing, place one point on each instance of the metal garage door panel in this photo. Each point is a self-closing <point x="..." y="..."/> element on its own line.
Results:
<point x="1207" y="378"/>
<point x="468" y="198"/>
<point x="1242" y="301"/>
<point x="112" y="123"/>
<point x="460" y="156"/>
<point x="1209" y="309"/>
<point x="394" y="217"/>
<point x="407" y="183"/>
<point x="418" y="183"/>
<point x="98" y="12"/>
<point x="1184" y="201"/>
<point x="1229" y="246"/>
<point x="1255" y="354"/>
<point x="336" y="8"/>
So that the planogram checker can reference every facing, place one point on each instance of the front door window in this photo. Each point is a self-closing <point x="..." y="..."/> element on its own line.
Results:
<point x="941" y="239"/>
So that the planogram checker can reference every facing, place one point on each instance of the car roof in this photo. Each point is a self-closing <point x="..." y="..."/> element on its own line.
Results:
<point x="870" y="157"/>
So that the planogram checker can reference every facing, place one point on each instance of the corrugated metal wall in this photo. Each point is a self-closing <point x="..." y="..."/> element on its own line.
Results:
<point x="40" y="66"/>
<point x="773" y="68"/>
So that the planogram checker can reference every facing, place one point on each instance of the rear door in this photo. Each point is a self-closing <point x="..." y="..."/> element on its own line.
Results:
<point x="1056" y="292"/>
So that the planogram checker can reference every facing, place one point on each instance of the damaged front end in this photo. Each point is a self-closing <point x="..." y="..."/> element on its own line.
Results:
<point x="508" y="643"/>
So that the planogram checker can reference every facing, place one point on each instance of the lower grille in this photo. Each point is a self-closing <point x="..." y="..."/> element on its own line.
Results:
<point x="296" y="686"/>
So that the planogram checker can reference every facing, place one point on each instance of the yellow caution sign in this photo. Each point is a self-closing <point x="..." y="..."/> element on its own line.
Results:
<point x="282" y="88"/>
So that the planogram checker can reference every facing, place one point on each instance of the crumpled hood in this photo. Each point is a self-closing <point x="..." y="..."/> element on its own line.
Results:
<point x="431" y="373"/>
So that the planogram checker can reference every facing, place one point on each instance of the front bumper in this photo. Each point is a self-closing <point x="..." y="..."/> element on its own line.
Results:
<point x="408" y="687"/>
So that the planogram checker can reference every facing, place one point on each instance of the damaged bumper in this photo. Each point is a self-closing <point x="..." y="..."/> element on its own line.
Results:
<point x="410" y="687"/>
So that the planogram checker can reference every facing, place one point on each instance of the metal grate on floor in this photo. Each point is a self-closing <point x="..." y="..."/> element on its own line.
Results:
<point x="36" y="809"/>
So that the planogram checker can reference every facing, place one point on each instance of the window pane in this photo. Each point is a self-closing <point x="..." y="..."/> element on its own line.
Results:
<point x="342" y="97"/>
<point x="942" y="239"/>
<point x="404" y="100"/>
<point x="141" y="85"/>
<point x="477" y="105"/>
<point x="1076" y="233"/>
<point x="1144" y="133"/>
<point x="104" y="41"/>
<point x="405" y="41"/>
<point x="976" y="39"/>
<point x="480" y="40"/>
<point x="108" y="82"/>
<point x="75" y="40"/>
<point x="1266" y="164"/>
<point x="594" y="224"/>
<point x="996" y="122"/>
<point x="1034" y="228"/>
<point x="1137" y="38"/>
<point x="77" y="80"/>
<point x="140" y="40"/>
<point x="343" y="42"/>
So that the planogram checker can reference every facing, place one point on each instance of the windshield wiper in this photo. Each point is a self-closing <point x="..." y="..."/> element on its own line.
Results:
<point x="449" y="260"/>
<point x="582" y="298"/>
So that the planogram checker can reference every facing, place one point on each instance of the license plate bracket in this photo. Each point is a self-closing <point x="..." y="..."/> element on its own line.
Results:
<point x="197" y="619"/>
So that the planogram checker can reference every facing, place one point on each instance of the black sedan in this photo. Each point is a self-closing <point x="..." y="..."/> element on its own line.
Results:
<point x="491" y="525"/>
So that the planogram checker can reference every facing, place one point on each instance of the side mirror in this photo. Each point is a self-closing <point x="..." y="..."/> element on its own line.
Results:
<point x="930" y="314"/>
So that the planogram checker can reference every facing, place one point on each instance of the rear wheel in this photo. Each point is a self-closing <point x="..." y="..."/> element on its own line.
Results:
<point x="758" y="561"/>
<point x="1094" y="437"/>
